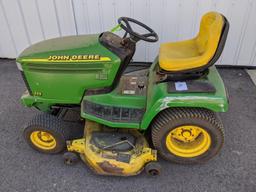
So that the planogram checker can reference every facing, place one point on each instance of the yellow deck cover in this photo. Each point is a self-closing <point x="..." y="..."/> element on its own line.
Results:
<point x="194" y="53"/>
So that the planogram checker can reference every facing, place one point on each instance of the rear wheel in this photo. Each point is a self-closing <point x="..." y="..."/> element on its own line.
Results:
<point x="44" y="133"/>
<point x="187" y="135"/>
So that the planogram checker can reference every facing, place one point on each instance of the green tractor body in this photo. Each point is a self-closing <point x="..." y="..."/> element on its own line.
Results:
<point x="60" y="71"/>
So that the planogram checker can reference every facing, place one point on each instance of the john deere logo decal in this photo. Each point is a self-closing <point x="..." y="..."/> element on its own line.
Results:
<point x="69" y="58"/>
<point x="73" y="57"/>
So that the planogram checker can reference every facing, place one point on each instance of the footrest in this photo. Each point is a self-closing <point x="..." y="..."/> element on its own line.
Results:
<point x="192" y="86"/>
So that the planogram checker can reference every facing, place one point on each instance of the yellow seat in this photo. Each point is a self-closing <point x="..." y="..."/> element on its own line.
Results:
<point x="194" y="53"/>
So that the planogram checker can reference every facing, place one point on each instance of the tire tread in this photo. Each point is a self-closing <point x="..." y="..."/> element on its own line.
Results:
<point x="173" y="114"/>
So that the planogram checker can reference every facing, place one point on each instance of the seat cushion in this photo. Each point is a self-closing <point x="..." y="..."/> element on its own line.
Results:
<point x="194" y="53"/>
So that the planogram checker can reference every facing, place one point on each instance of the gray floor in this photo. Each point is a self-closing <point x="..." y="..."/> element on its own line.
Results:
<point x="22" y="169"/>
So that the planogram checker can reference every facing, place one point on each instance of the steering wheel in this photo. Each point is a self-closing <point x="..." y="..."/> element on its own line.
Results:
<point x="124" y="23"/>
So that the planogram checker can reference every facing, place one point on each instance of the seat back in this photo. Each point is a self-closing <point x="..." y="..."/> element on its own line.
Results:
<point x="209" y="33"/>
<point x="212" y="37"/>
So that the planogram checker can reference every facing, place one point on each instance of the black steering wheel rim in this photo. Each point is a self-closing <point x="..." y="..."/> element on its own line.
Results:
<point x="134" y="35"/>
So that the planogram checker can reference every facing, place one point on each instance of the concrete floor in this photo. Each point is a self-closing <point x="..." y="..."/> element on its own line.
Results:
<point x="23" y="169"/>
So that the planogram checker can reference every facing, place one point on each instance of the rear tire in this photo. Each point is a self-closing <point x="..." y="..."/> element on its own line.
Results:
<point x="173" y="144"/>
<point x="45" y="134"/>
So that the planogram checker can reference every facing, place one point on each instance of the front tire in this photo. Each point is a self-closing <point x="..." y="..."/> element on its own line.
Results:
<point x="187" y="135"/>
<point x="45" y="134"/>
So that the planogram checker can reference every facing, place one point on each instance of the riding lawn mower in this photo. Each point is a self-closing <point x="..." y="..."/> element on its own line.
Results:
<point x="130" y="112"/>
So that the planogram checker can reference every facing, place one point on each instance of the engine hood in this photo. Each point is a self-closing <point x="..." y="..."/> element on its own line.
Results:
<point x="65" y="49"/>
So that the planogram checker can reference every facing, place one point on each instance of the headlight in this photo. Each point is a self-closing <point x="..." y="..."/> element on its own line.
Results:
<point x="19" y="66"/>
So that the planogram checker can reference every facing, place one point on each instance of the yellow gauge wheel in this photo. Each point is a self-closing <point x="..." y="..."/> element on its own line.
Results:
<point x="188" y="141"/>
<point x="43" y="140"/>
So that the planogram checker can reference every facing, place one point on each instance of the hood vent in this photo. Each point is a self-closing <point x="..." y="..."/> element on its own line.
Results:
<point x="64" y="67"/>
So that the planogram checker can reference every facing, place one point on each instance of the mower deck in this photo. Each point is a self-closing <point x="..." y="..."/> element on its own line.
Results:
<point x="111" y="151"/>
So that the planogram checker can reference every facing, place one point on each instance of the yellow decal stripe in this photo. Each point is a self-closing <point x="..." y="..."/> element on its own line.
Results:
<point x="67" y="61"/>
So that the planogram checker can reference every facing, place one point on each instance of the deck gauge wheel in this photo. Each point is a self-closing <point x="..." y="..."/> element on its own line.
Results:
<point x="70" y="158"/>
<point x="153" y="168"/>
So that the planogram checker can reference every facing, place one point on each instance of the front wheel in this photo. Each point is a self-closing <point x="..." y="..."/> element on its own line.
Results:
<point x="44" y="133"/>
<point x="187" y="135"/>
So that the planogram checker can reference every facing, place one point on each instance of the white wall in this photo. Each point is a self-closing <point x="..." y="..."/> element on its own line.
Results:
<point x="24" y="22"/>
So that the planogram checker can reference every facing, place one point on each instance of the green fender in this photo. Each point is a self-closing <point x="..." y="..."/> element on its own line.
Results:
<point x="213" y="104"/>
<point x="159" y="99"/>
